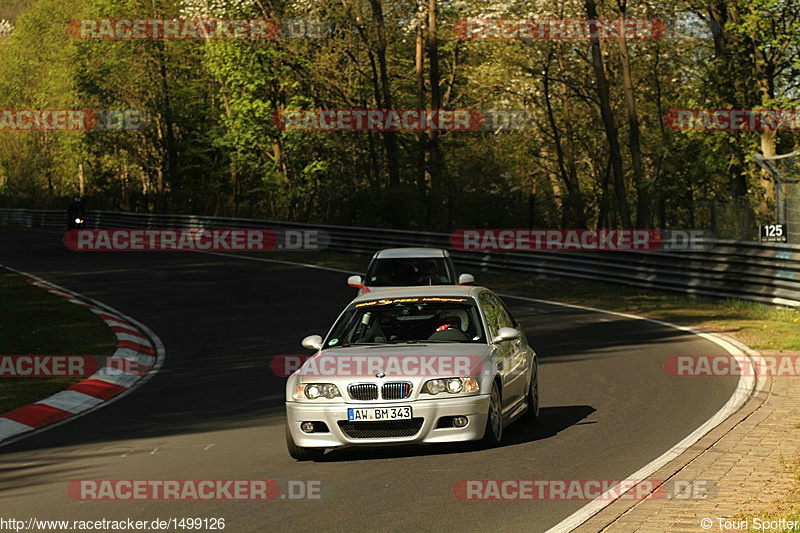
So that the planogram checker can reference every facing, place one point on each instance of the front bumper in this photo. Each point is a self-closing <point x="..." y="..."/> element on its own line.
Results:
<point x="475" y="408"/>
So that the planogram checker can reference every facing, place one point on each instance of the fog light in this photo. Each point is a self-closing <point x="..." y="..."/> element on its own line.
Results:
<point x="460" y="421"/>
<point x="307" y="427"/>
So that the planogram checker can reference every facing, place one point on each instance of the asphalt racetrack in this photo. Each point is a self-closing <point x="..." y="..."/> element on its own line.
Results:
<point x="215" y="410"/>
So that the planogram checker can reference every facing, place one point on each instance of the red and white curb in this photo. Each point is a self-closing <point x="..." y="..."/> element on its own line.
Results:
<point x="137" y="348"/>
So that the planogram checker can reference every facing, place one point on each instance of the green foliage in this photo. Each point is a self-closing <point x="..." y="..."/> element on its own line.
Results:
<point x="212" y="146"/>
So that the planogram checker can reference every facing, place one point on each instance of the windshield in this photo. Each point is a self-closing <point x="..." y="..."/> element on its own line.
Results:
<point x="399" y="320"/>
<point x="409" y="271"/>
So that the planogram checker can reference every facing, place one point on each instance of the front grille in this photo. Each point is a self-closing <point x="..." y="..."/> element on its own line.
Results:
<point x="381" y="430"/>
<point x="363" y="391"/>
<point x="396" y="390"/>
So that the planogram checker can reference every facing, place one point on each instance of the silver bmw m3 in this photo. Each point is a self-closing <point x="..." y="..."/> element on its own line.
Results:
<point x="415" y="365"/>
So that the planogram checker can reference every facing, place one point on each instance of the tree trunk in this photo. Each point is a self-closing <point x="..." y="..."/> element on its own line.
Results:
<point x="436" y="98"/>
<point x="766" y="86"/>
<point x="718" y="17"/>
<point x="420" y="75"/>
<point x="170" y="159"/>
<point x="643" y="207"/>
<point x="608" y="123"/>
<point x="572" y="205"/>
<point x="389" y="137"/>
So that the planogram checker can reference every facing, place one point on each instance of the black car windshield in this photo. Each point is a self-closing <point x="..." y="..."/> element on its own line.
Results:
<point x="404" y="320"/>
<point x="408" y="271"/>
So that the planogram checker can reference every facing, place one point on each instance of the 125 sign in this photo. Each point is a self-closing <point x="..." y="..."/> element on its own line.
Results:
<point x="773" y="233"/>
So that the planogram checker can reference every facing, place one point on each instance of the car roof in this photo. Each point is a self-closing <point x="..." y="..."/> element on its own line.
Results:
<point x="396" y="253"/>
<point x="424" y="290"/>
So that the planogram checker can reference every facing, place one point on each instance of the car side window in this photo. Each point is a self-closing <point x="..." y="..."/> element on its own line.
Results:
<point x="510" y="321"/>
<point x="504" y="320"/>
<point x="492" y="313"/>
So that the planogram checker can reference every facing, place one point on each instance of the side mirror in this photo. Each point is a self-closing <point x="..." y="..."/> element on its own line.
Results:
<point x="357" y="283"/>
<point x="313" y="342"/>
<point x="466" y="279"/>
<point x="506" y="334"/>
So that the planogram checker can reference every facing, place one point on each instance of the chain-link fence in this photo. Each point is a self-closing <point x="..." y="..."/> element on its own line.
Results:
<point x="785" y="172"/>
<point x="727" y="220"/>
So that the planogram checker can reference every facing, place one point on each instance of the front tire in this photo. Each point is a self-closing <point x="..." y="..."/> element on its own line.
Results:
<point x="494" y="422"/>
<point x="300" y="453"/>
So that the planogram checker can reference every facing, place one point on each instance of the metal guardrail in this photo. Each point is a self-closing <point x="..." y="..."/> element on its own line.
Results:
<point x="767" y="273"/>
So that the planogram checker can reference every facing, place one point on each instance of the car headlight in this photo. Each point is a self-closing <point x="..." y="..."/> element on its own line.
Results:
<point x="454" y="386"/>
<point x="451" y="385"/>
<point x="312" y="391"/>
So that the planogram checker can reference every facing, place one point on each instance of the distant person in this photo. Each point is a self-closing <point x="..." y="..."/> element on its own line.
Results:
<point x="76" y="216"/>
<point x="429" y="274"/>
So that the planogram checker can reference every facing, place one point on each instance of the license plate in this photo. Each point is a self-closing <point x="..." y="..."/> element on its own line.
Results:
<point x="378" y="413"/>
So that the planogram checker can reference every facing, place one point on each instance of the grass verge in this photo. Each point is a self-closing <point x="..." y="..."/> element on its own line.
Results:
<point x="787" y="509"/>
<point x="35" y="322"/>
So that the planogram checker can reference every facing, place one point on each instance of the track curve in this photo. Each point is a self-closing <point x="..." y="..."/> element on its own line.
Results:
<point x="214" y="411"/>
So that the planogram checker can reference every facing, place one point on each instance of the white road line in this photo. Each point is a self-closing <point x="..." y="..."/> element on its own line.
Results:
<point x="131" y="355"/>
<point x="59" y="293"/>
<point x="9" y="428"/>
<point x="71" y="401"/>
<point x="747" y="385"/>
<point x="114" y="323"/>
<point x="103" y="311"/>
<point x="744" y="388"/>
<point x="6" y="425"/>
<point x="116" y="377"/>
<point x="138" y="339"/>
